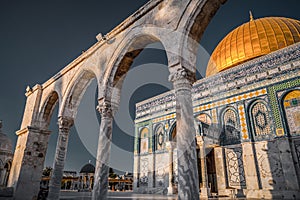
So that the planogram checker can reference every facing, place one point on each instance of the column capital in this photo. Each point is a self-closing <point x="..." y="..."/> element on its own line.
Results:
<point x="65" y="122"/>
<point x="105" y="108"/>
<point x="182" y="74"/>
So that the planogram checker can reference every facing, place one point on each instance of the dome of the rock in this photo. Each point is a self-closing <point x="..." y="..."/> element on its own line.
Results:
<point x="253" y="39"/>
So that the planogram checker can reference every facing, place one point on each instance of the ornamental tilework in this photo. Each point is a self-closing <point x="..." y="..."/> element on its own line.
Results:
<point x="275" y="103"/>
<point x="261" y="119"/>
<point x="235" y="168"/>
<point x="164" y="118"/>
<point x="214" y="116"/>
<point x="243" y="122"/>
<point x="144" y="172"/>
<point x="234" y="99"/>
<point x="161" y="170"/>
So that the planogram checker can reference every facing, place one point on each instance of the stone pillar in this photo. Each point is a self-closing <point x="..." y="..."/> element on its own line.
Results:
<point x="188" y="183"/>
<point x="169" y="146"/>
<point x="220" y="170"/>
<point x="250" y="166"/>
<point x="104" y="145"/>
<point x="205" y="191"/>
<point x="64" y="124"/>
<point x="288" y="166"/>
<point x="28" y="163"/>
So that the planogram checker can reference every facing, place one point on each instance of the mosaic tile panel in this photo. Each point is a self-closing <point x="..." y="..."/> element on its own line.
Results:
<point x="144" y="172"/>
<point x="161" y="170"/>
<point x="214" y="116"/>
<point x="235" y="167"/>
<point x="164" y="118"/>
<point x="261" y="119"/>
<point x="275" y="102"/>
<point x="231" y="100"/>
<point x="243" y="122"/>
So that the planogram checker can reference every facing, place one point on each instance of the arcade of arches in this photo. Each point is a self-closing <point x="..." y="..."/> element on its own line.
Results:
<point x="235" y="132"/>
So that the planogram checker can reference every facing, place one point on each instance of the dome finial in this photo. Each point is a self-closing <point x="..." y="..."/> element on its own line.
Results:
<point x="251" y="16"/>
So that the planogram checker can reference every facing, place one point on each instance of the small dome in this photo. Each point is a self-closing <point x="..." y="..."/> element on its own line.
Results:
<point x="253" y="39"/>
<point x="5" y="141"/>
<point x="88" y="168"/>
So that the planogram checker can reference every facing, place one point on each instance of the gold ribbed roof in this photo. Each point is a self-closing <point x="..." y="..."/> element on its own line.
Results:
<point x="253" y="39"/>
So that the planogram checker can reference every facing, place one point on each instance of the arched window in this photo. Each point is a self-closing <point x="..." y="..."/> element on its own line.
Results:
<point x="172" y="134"/>
<point x="144" y="136"/>
<point x="291" y="104"/>
<point x="260" y="119"/>
<point x="204" y="122"/>
<point x="159" y="137"/>
<point x="230" y="134"/>
<point x="7" y="168"/>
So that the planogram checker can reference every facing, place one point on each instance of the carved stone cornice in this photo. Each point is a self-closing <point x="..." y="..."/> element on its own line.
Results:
<point x="65" y="123"/>
<point x="182" y="74"/>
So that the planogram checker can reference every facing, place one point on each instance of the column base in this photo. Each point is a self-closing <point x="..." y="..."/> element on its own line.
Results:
<point x="205" y="193"/>
<point x="170" y="190"/>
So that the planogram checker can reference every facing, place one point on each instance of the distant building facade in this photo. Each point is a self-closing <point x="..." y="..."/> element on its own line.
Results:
<point x="246" y="114"/>
<point x="6" y="156"/>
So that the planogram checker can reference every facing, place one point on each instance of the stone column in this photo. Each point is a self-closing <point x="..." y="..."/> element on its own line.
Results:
<point x="104" y="145"/>
<point x="64" y="123"/>
<point x="220" y="170"/>
<point x="205" y="191"/>
<point x="188" y="183"/>
<point x="169" y="146"/>
<point x="250" y="166"/>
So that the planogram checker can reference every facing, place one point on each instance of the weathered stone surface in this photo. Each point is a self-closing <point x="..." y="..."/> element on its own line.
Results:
<point x="104" y="145"/>
<point x="188" y="184"/>
<point x="64" y="124"/>
<point x="28" y="162"/>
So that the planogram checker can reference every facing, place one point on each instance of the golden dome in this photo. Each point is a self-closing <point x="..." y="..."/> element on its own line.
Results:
<point x="253" y="39"/>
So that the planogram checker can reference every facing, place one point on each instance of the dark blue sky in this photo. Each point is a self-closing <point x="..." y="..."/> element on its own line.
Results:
<point x="38" y="38"/>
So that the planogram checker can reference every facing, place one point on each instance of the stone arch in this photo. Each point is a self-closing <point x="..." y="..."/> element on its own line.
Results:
<point x="172" y="132"/>
<point x="130" y="47"/>
<point x="194" y="22"/>
<point x="230" y="127"/>
<point x="259" y="114"/>
<point x="144" y="140"/>
<point x="290" y="104"/>
<point x="203" y="121"/>
<point x="159" y="136"/>
<point x="48" y="108"/>
<point x="75" y="92"/>
<point x="7" y="168"/>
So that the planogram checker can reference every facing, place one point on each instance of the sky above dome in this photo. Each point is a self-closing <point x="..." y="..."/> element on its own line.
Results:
<point x="39" y="38"/>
